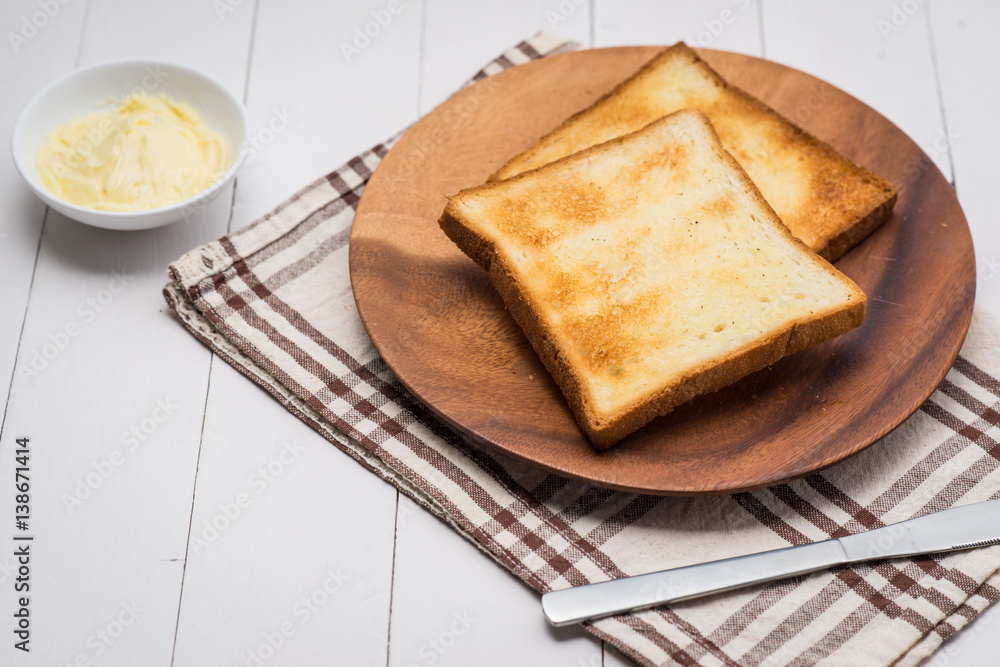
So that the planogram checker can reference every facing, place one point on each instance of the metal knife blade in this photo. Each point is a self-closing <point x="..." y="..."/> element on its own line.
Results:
<point x="953" y="529"/>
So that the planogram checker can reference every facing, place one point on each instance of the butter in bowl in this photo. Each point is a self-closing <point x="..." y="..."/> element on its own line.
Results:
<point x="130" y="145"/>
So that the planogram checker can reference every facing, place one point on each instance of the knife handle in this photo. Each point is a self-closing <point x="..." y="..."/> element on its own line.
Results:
<point x="573" y="605"/>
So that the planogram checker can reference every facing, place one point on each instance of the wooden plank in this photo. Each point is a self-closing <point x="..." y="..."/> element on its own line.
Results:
<point x="731" y="25"/>
<point x="39" y="49"/>
<point x="339" y="93"/>
<point x="848" y="46"/>
<point x="115" y="411"/>
<point x="966" y="48"/>
<point x="461" y="37"/>
<point x="291" y="542"/>
<point x="322" y="533"/>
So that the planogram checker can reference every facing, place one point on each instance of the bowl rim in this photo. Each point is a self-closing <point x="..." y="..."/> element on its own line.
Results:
<point x="123" y="216"/>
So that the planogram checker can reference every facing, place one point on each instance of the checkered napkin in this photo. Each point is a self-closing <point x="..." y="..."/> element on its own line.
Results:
<point x="274" y="300"/>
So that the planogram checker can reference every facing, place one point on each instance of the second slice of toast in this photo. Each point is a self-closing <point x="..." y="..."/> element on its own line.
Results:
<point x="648" y="270"/>
<point x="825" y="199"/>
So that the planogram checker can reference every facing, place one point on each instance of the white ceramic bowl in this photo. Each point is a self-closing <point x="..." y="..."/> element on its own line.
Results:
<point x="86" y="90"/>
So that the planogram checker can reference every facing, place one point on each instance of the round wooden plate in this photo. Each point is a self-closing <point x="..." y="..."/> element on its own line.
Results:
<point x="435" y="318"/>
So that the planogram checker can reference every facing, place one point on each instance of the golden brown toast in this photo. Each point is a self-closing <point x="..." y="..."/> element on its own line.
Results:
<point x="648" y="270"/>
<point x="825" y="199"/>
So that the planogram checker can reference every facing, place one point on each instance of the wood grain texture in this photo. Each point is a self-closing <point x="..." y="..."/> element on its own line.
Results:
<point x="436" y="319"/>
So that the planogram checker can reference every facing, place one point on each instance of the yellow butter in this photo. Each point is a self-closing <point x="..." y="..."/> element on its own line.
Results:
<point x="145" y="153"/>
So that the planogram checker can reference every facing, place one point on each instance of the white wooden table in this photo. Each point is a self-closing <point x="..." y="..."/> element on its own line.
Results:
<point x="175" y="525"/>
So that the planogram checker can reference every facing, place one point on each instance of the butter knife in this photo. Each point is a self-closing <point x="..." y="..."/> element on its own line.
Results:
<point x="953" y="529"/>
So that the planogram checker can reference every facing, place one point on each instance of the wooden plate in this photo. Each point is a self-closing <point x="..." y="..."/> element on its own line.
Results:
<point x="435" y="318"/>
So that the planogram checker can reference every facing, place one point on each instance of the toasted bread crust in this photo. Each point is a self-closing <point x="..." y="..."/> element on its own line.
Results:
<point x="855" y="215"/>
<point x="796" y="334"/>
<point x="857" y="232"/>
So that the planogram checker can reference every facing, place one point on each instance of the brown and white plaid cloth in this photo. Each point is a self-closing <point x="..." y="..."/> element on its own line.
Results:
<point x="274" y="300"/>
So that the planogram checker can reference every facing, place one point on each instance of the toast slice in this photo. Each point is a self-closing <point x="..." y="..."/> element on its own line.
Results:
<point x="825" y="199"/>
<point x="648" y="270"/>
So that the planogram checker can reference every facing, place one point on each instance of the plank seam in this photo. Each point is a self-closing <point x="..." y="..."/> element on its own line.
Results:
<point x="940" y="95"/>
<point x="194" y="494"/>
<point x="24" y="320"/>
<point x="392" y="582"/>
